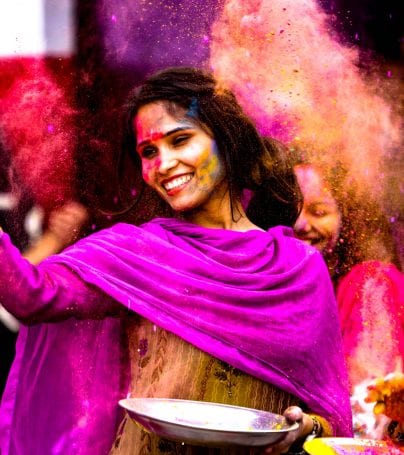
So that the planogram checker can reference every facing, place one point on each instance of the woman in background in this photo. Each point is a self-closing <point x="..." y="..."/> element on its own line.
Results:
<point x="355" y="239"/>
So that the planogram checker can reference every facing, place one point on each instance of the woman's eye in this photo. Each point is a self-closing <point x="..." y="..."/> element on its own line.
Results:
<point x="148" y="152"/>
<point x="320" y="213"/>
<point x="179" y="140"/>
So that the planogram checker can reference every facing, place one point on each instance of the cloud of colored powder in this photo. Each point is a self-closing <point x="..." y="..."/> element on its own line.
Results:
<point x="303" y="86"/>
<point x="153" y="35"/>
<point x="37" y="127"/>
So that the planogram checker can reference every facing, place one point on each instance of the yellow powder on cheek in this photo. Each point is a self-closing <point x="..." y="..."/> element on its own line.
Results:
<point x="208" y="170"/>
<point x="203" y="158"/>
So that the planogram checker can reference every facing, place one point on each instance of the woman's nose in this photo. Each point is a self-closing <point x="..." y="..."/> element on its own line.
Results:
<point x="168" y="161"/>
<point x="302" y="223"/>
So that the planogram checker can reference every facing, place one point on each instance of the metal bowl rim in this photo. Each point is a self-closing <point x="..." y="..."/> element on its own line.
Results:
<point x="262" y="432"/>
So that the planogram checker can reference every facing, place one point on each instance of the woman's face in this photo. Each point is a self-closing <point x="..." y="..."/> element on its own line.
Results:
<point x="179" y="159"/>
<point x="320" y="220"/>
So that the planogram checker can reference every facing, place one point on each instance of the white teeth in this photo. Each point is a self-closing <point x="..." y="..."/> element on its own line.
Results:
<point x="177" y="182"/>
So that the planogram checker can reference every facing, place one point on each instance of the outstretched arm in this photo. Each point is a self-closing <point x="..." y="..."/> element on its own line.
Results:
<point x="47" y="292"/>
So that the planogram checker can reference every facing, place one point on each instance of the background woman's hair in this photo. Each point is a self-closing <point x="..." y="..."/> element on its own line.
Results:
<point x="365" y="233"/>
<point x="280" y="192"/>
<point x="250" y="162"/>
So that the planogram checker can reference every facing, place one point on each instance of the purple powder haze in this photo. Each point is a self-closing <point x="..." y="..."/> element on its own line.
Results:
<point x="153" y="35"/>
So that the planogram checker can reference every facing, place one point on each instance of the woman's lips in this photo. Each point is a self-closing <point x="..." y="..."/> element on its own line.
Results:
<point x="176" y="183"/>
<point x="310" y="240"/>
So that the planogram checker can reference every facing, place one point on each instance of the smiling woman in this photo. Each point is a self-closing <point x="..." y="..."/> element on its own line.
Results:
<point x="217" y="306"/>
<point x="319" y="222"/>
<point x="180" y="160"/>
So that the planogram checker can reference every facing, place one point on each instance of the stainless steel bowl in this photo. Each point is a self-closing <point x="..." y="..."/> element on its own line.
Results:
<point x="204" y="423"/>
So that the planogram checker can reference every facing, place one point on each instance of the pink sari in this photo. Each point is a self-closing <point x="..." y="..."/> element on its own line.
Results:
<point x="371" y="306"/>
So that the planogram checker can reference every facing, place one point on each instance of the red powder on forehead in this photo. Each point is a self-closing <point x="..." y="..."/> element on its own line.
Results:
<point x="38" y="130"/>
<point x="153" y="136"/>
<point x="147" y="123"/>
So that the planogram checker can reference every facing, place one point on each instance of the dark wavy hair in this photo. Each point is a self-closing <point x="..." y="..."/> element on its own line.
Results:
<point x="250" y="162"/>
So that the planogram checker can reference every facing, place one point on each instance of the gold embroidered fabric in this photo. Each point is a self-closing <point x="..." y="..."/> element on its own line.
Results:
<point x="165" y="366"/>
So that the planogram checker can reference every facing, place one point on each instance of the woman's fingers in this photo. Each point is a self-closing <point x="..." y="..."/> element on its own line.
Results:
<point x="66" y="222"/>
<point x="292" y="414"/>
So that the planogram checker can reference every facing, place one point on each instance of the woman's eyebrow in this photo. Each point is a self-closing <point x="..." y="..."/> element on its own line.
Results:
<point x="322" y="202"/>
<point x="160" y="135"/>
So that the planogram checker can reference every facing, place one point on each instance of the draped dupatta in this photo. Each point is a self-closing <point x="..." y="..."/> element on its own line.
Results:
<point x="260" y="301"/>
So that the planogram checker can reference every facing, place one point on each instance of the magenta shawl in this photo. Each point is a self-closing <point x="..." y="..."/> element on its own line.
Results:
<point x="260" y="301"/>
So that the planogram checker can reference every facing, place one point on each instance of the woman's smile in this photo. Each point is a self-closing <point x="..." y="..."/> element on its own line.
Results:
<point x="176" y="183"/>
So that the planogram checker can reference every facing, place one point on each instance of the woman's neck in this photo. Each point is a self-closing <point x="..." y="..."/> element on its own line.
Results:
<point x="224" y="216"/>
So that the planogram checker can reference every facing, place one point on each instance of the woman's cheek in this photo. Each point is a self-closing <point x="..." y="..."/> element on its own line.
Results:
<point x="203" y="158"/>
<point x="209" y="171"/>
<point x="149" y="168"/>
<point x="145" y="176"/>
<point x="146" y="171"/>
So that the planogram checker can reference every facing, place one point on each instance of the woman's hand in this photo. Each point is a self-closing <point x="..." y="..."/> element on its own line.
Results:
<point x="292" y="414"/>
<point x="66" y="222"/>
<point x="63" y="229"/>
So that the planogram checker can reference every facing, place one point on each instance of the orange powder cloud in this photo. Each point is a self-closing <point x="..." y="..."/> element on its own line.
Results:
<point x="302" y="86"/>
